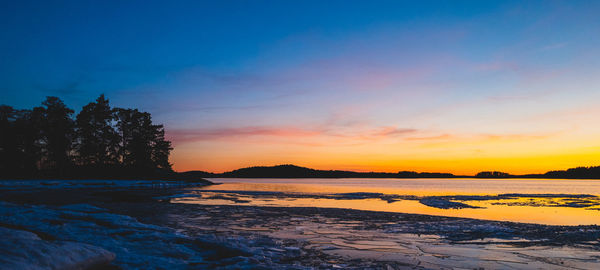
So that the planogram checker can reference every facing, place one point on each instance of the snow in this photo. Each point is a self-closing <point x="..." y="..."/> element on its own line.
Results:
<point x="83" y="235"/>
<point x="138" y="245"/>
<point x="77" y="184"/>
<point x="78" y="236"/>
<point x="25" y="250"/>
<point x="83" y="208"/>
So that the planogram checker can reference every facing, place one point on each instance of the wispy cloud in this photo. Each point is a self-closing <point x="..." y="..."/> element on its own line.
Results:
<point x="554" y="46"/>
<point x="247" y="132"/>
<point x="430" y="138"/>
<point x="497" y="65"/>
<point x="190" y="107"/>
<point x="515" y="137"/>
<point x="389" y="132"/>
<point x="190" y="135"/>
<point x="67" y="89"/>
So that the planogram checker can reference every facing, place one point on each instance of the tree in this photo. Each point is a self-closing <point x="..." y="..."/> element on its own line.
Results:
<point x="97" y="141"/>
<point x="161" y="149"/>
<point x="143" y="144"/>
<point x="100" y="142"/>
<point x="7" y="138"/>
<point x="26" y="128"/>
<point x="19" y="148"/>
<point x="493" y="174"/>
<point x="57" y="134"/>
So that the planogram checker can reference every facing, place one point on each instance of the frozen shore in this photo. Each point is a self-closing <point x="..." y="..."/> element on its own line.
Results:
<point x="25" y="250"/>
<point x="116" y="226"/>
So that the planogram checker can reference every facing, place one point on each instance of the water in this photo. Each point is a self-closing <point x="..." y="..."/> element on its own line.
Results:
<point x="442" y="186"/>
<point x="563" y="210"/>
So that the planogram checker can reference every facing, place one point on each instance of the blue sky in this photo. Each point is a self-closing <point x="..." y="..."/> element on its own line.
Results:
<point x="247" y="82"/>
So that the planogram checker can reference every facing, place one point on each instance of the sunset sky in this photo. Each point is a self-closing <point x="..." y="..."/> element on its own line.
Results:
<point x="450" y="86"/>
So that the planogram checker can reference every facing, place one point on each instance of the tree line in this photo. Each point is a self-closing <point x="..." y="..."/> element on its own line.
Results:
<point x="293" y="171"/>
<point x="98" y="142"/>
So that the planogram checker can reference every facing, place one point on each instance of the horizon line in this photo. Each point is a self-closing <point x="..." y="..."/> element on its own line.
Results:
<point x="393" y="172"/>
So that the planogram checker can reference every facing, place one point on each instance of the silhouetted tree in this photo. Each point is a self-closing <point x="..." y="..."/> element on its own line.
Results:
<point x="8" y="140"/>
<point x="26" y="129"/>
<point x="6" y="136"/>
<point x="100" y="142"/>
<point x="579" y="173"/>
<point x="143" y="144"/>
<point x="493" y="174"/>
<point x="161" y="148"/>
<point x="97" y="141"/>
<point x="57" y="134"/>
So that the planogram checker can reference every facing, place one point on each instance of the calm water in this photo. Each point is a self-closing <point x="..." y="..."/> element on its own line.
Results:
<point x="415" y="186"/>
<point x="518" y="210"/>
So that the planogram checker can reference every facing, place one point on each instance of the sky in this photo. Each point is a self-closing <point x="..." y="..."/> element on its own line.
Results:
<point x="438" y="86"/>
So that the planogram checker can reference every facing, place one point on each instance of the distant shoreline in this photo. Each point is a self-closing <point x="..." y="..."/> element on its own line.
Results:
<point x="162" y="179"/>
<point x="455" y="177"/>
<point x="293" y="171"/>
<point x="277" y="177"/>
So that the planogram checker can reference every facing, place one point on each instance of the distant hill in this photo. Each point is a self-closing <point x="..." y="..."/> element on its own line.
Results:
<point x="293" y="171"/>
<point x="196" y="174"/>
<point x="573" y="173"/>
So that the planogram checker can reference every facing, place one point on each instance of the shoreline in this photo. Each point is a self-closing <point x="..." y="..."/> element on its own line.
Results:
<point x="232" y="236"/>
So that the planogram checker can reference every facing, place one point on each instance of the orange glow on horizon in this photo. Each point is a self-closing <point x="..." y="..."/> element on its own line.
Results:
<point x="459" y="161"/>
<point x="557" y="141"/>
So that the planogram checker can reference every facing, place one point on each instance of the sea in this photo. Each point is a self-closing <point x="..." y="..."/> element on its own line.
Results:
<point x="540" y="201"/>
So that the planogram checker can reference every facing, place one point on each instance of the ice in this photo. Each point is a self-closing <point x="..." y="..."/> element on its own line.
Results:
<point x="80" y="184"/>
<point x="25" y="250"/>
<point x="150" y="233"/>
<point x="83" y="208"/>
<point x="9" y="234"/>
<point x="66" y="230"/>
<point x="79" y="236"/>
<point x="442" y="203"/>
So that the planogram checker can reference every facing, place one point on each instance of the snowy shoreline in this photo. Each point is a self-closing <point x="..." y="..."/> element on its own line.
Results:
<point x="93" y="221"/>
<point x="23" y="185"/>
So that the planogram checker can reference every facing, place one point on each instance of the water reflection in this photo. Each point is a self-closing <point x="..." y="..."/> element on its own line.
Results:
<point x="440" y="186"/>
<point x="297" y="193"/>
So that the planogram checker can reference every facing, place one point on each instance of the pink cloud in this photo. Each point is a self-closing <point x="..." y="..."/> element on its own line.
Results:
<point x="208" y="134"/>
<point x="189" y="135"/>
<point x="430" y="138"/>
<point x="391" y="131"/>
